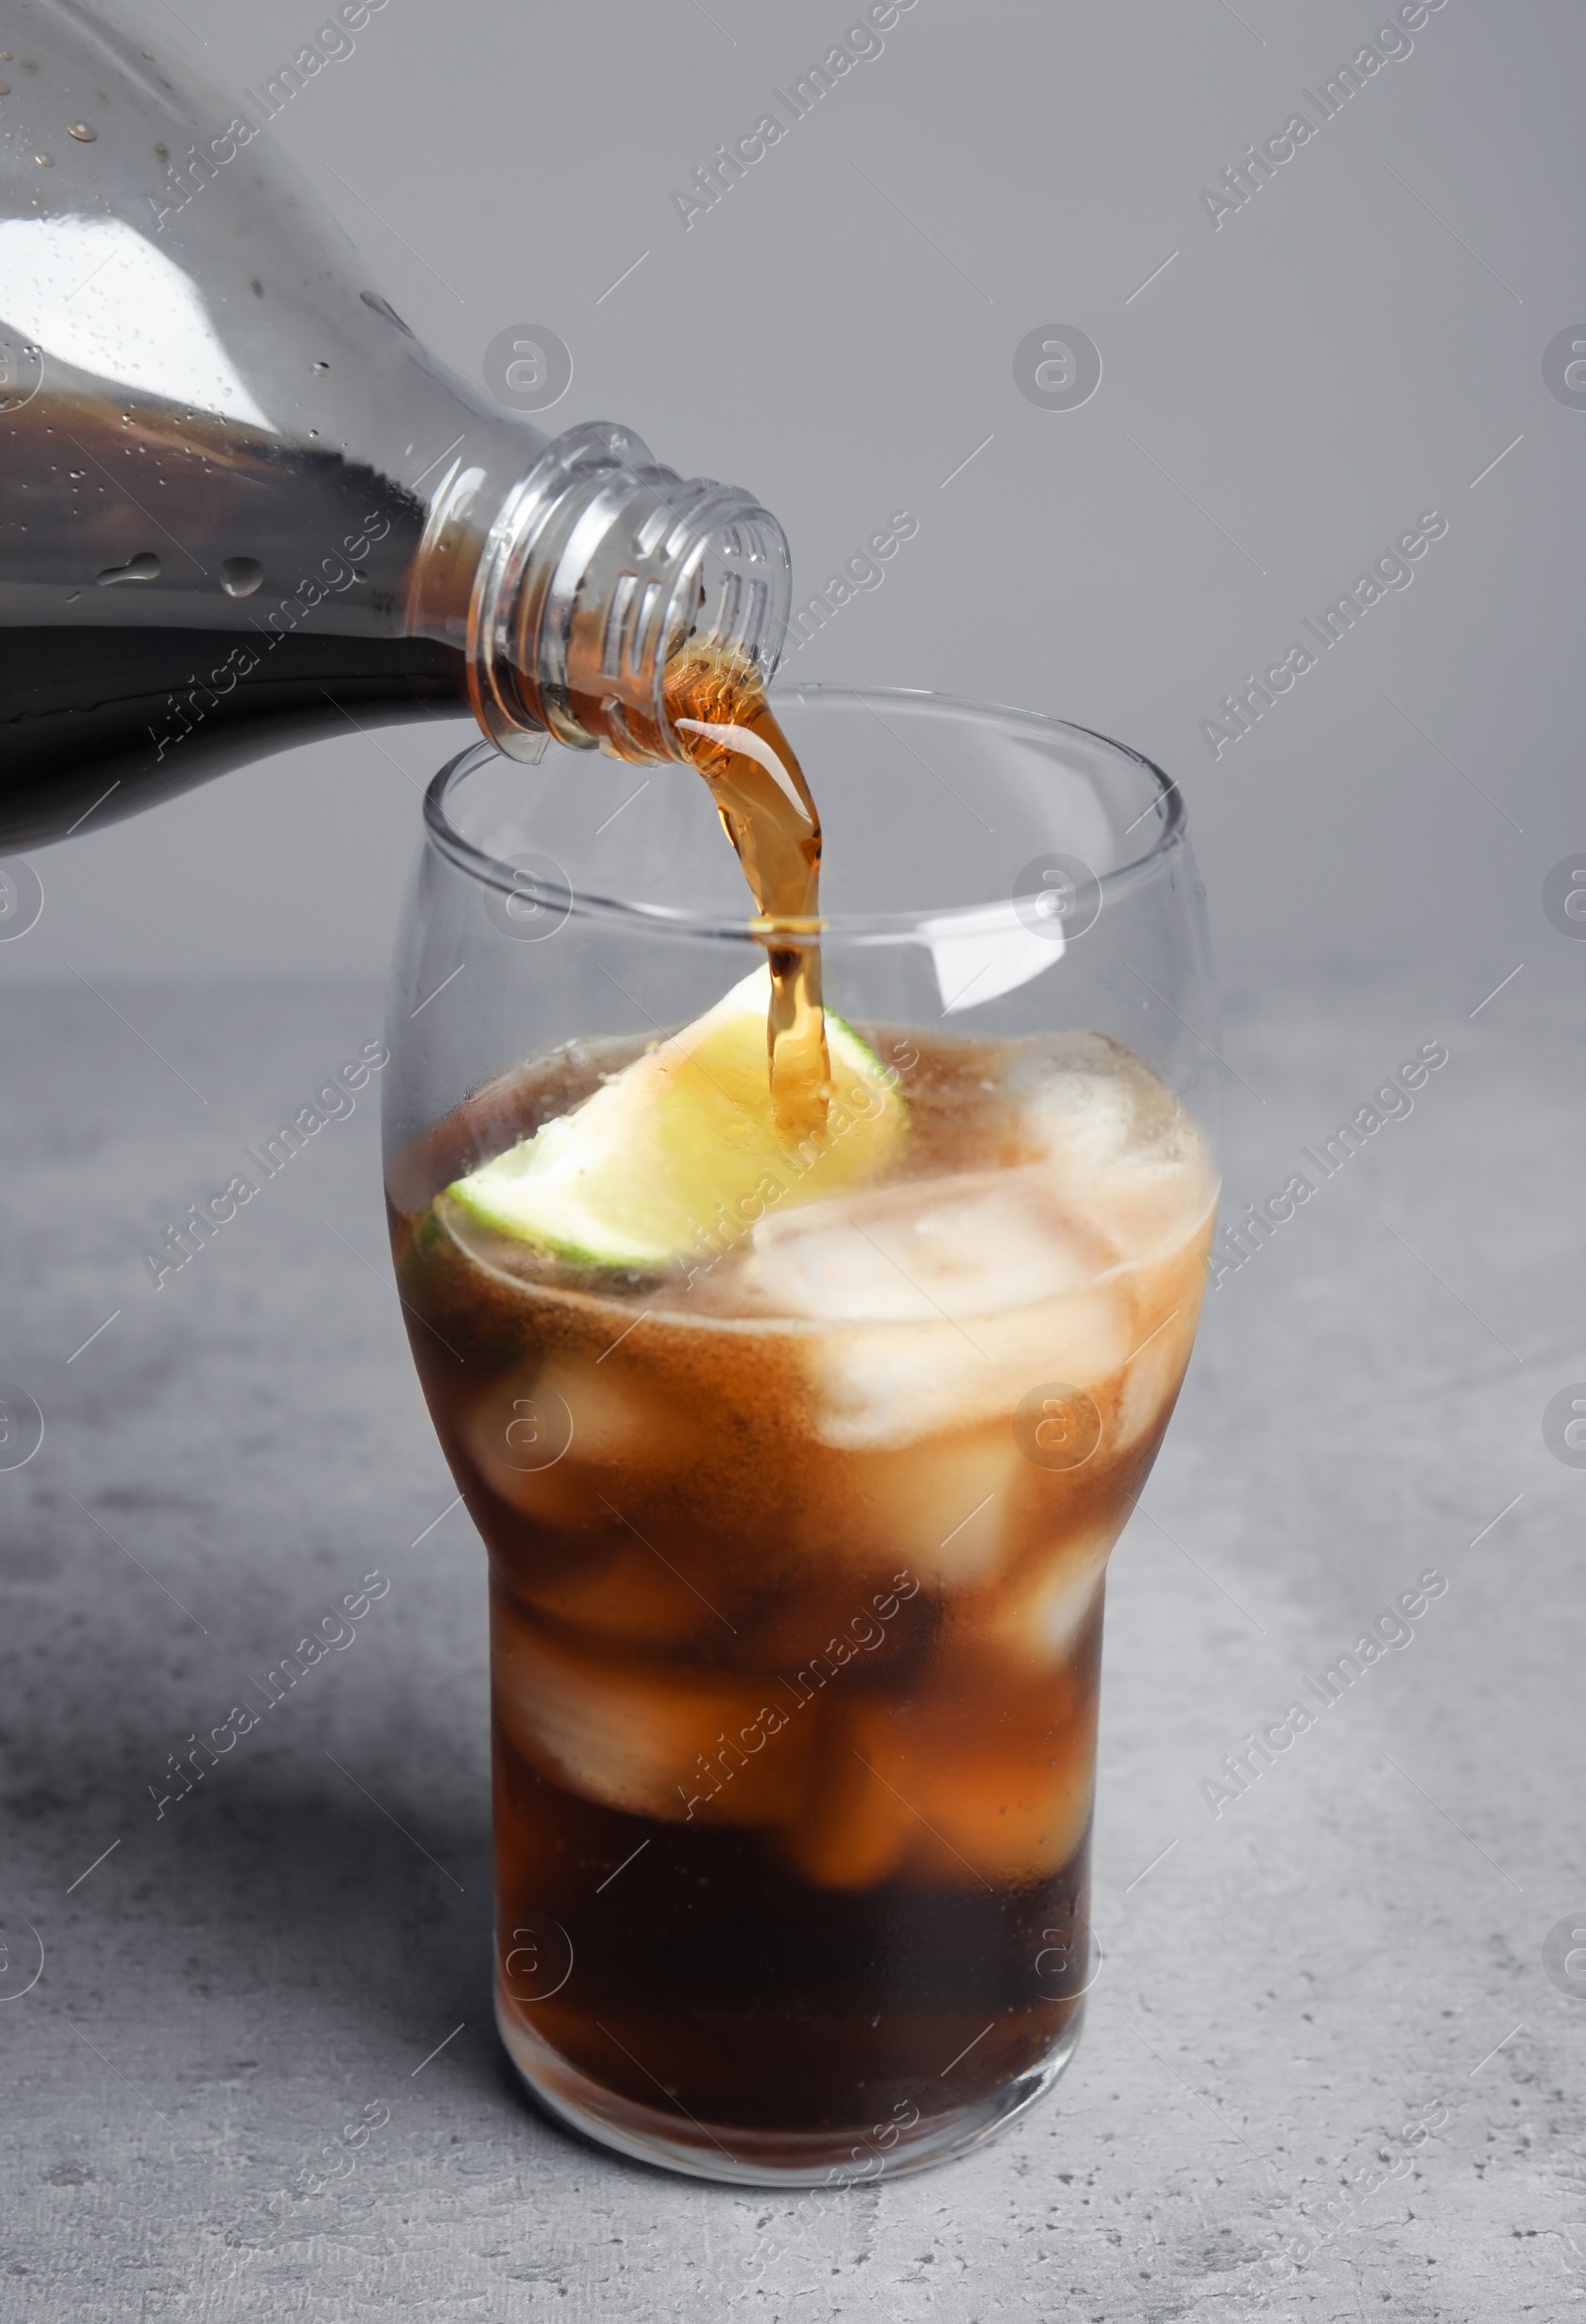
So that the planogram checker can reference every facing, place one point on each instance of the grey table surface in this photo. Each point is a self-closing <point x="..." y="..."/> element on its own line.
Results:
<point x="1325" y="2021"/>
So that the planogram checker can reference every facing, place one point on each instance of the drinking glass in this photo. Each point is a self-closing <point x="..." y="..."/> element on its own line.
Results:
<point x="797" y="1554"/>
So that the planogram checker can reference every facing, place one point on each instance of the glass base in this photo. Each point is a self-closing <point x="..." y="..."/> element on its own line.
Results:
<point x="765" y="2158"/>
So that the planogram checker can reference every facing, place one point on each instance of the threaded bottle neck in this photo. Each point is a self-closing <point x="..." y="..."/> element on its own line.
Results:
<point x="598" y="569"/>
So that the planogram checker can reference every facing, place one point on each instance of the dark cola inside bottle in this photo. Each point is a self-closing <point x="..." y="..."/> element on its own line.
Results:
<point x="239" y="504"/>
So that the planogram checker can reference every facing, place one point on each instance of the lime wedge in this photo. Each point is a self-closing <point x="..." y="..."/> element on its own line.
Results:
<point x="680" y="1150"/>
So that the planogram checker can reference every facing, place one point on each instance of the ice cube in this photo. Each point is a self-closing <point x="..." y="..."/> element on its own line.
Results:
<point x="1088" y="1118"/>
<point x="1126" y="1157"/>
<point x="557" y="1438"/>
<point x="1030" y="1623"/>
<point x="1148" y="1210"/>
<point x="562" y="1493"/>
<point x="646" y="1741"/>
<point x="951" y="1297"/>
<point x="1052" y="1617"/>
<point x="938" y="1509"/>
<point x="974" y="1244"/>
<point x="1153" y="1377"/>
<point x="921" y="1789"/>
<point x="854" y="1824"/>
<point x="617" y="1419"/>
<point x="1002" y="1814"/>
<point x="627" y="1593"/>
<point x="896" y="1386"/>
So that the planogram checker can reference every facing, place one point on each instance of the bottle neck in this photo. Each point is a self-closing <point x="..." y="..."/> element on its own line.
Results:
<point x="597" y="568"/>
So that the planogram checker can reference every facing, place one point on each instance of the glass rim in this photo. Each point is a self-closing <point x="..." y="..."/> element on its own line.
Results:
<point x="877" y="927"/>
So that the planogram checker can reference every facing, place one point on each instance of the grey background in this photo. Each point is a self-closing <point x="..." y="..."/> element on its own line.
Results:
<point x="1361" y="1936"/>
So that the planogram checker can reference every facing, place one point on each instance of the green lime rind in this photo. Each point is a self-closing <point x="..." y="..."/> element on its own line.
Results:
<point x="680" y="1148"/>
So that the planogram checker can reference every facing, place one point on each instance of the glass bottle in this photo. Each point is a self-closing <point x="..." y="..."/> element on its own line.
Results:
<point x="239" y="504"/>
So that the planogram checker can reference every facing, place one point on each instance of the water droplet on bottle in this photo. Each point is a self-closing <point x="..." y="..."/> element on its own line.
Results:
<point x="321" y="367"/>
<point x="45" y="160"/>
<point x="82" y="131"/>
<point x="383" y="307"/>
<point x="143" y="567"/>
<point x="241" y="577"/>
<point x="5" y="88"/>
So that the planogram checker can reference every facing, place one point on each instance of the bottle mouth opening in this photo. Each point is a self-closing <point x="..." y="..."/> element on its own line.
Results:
<point x="600" y="567"/>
